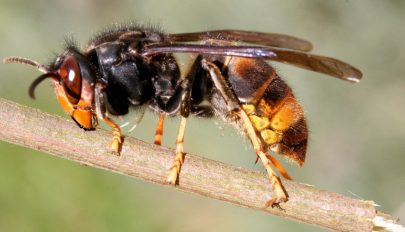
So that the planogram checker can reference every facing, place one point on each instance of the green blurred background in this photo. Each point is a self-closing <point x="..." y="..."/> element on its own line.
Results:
<point x="357" y="140"/>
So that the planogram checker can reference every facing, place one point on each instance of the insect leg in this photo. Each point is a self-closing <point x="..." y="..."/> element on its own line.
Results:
<point x="159" y="130"/>
<point x="185" y="106"/>
<point x="179" y="102"/>
<point x="221" y="84"/>
<point x="279" y="167"/>
<point x="234" y="106"/>
<point x="101" y="113"/>
<point x="281" y="194"/>
<point x="179" y="158"/>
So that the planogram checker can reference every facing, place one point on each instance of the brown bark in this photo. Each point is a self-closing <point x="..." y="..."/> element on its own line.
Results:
<point x="60" y="137"/>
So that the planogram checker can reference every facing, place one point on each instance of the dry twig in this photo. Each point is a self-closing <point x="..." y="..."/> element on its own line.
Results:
<point x="60" y="137"/>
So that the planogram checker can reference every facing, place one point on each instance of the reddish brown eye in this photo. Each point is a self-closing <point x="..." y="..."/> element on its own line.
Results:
<point x="71" y="79"/>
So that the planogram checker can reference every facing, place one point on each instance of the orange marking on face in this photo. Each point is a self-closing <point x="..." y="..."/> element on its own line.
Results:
<point x="62" y="99"/>
<point x="81" y="112"/>
<point x="84" y="118"/>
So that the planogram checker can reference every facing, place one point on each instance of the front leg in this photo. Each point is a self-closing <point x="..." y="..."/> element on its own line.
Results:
<point x="116" y="143"/>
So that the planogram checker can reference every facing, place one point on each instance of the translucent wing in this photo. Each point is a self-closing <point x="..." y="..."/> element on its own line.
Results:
<point x="267" y="39"/>
<point x="316" y="63"/>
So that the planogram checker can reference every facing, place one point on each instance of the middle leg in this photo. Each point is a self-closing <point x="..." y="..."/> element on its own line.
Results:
<point x="172" y="178"/>
<point x="159" y="130"/>
<point x="184" y="103"/>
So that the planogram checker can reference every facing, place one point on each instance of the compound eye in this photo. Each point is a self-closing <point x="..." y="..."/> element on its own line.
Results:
<point x="71" y="79"/>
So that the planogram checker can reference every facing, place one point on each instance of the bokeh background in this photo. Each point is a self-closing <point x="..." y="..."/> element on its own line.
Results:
<point x="357" y="140"/>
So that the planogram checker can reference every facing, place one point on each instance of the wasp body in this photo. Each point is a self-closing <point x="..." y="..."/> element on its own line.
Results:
<point x="134" y="66"/>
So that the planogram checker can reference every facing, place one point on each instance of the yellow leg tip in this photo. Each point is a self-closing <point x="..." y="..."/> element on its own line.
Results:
<point x="281" y="194"/>
<point x="115" y="146"/>
<point x="172" y="178"/>
<point x="276" y="202"/>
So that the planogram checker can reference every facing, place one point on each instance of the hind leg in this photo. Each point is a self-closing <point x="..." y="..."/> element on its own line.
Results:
<point x="281" y="193"/>
<point x="234" y="108"/>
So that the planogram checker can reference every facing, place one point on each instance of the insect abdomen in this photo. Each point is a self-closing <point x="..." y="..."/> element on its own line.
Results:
<point x="272" y="108"/>
<point x="279" y="119"/>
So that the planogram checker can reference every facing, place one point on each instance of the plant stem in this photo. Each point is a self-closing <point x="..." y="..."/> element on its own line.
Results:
<point x="57" y="136"/>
